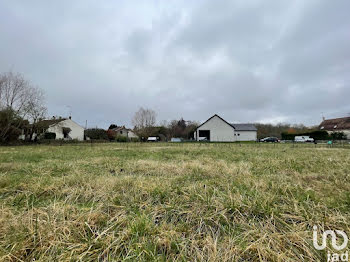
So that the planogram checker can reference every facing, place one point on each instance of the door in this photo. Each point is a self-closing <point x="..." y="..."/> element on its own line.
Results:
<point x="204" y="135"/>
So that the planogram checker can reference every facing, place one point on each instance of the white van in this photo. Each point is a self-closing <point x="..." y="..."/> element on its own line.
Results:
<point x="303" y="139"/>
<point x="153" y="139"/>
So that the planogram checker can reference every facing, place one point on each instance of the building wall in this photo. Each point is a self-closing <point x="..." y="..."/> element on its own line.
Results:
<point x="122" y="132"/>
<point x="77" y="132"/>
<point x="127" y="133"/>
<point x="131" y="134"/>
<point x="246" y="135"/>
<point x="220" y="131"/>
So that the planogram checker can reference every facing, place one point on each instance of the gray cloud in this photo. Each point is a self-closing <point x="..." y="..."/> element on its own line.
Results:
<point x="256" y="61"/>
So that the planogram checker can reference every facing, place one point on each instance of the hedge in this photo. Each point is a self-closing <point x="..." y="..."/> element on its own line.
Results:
<point x="317" y="135"/>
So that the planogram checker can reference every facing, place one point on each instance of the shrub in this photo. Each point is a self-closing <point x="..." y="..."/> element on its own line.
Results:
<point x="338" y="136"/>
<point x="134" y="139"/>
<point x="11" y="125"/>
<point x="122" y="139"/>
<point x="96" y="133"/>
<point x="317" y="135"/>
<point x="111" y="134"/>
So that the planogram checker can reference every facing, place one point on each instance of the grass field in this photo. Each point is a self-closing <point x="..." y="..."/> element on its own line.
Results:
<point x="184" y="202"/>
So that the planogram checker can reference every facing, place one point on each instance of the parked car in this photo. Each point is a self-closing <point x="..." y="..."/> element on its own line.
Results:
<point x="176" y="139"/>
<point x="270" y="139"/>
<point x="153" y="139"/>
<point x="304" y="139"/>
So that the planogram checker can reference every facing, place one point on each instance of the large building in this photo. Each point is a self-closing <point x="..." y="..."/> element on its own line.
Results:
<point x="216" y="129"/>
<point x="336" y="125"/>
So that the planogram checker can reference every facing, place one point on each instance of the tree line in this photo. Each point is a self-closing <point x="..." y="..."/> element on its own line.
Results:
<point x="288" y="132"/>
<point x="265" y="130"/>
<point x="144" y="122"/>
<point x="145" y="125"/>
<point x="21" y="106"/>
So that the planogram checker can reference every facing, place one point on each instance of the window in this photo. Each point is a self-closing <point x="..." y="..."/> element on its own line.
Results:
<point x="121" y="132"/>
<point x="237" y="134"/>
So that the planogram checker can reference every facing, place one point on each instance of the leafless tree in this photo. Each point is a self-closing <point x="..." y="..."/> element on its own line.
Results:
<point x="14" y="89"/>
<point x="144" y="118"/>
<point x="21" y="100"/>
<point x="34" y="107"/>
<point x="2" y="82"/>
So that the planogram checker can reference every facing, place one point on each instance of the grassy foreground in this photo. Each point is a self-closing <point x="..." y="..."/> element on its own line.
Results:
<point x="184" y="202"/>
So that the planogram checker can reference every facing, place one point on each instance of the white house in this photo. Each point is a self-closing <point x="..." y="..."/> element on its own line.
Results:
<point x="216" y="129"/>
<point x="61" y="127"/>
<point x="123" y="131"/>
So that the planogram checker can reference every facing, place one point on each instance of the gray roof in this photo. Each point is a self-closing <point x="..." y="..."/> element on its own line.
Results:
<point x="50" y="122"/>
<point x="244" y="127"/>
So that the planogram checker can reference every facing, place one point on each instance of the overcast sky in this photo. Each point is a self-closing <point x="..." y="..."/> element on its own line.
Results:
<point x="248" y="61"/>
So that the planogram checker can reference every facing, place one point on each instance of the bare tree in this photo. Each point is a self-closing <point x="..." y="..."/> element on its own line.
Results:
<point x="14" y="89"/>
<point x="2" y="83"/>
<point x="20" y="100"/>
<point x="144" y="118"/>
<point x="34" y="107"/>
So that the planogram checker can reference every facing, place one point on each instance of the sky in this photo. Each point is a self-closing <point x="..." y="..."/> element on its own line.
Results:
<point x="248" y="61"/>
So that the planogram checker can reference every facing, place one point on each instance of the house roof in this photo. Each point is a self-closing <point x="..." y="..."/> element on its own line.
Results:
<point x="237" y="127"/>
<point x="335" y="124"/>
<point x="117" y="128"/>
<point x="121" y="128"/>
<point x="50" y="122"/>
<point x="244" y="127"/>
<point x="212" y="117"/>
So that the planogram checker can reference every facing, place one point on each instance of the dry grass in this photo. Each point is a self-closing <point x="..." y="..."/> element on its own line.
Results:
<point x="182" y="202"/>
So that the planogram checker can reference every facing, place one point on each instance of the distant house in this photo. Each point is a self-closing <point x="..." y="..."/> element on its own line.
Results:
<point x="64" y="128"/>
<point x="217" y="129"/>
<point x="123" y="131"/>
<point x="336" y="125"/>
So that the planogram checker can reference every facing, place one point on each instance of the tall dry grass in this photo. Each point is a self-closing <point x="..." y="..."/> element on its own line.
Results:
<point x="164" y="202"/>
